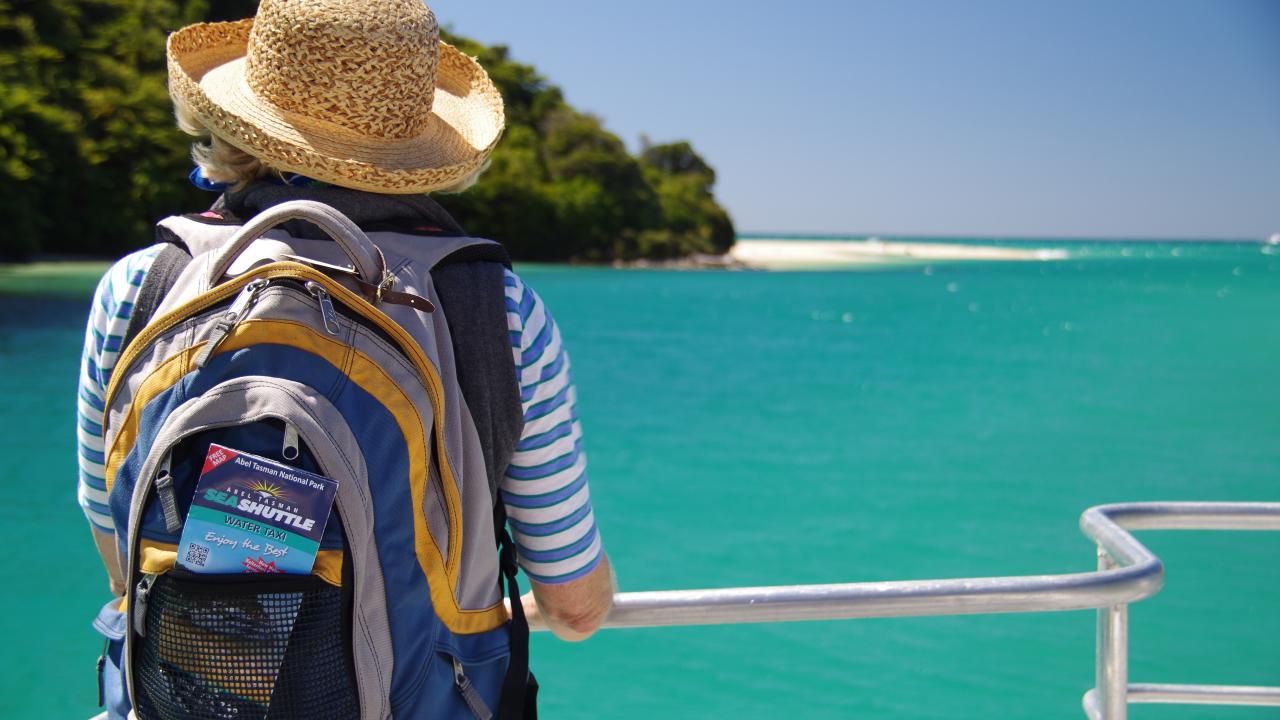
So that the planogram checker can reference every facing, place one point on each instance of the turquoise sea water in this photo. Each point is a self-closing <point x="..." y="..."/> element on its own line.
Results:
<point x="916" y="421"/>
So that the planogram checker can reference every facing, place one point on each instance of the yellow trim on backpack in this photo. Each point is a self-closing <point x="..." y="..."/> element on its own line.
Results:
<point x="328" y="567"/>
<point x="370" y="377"/>
<point x="162" y="378"/>
<point x="156" y="558"/>
<point x="435" y="389"/>
<point x="441" y="572"/>
<point x="159" y="325"/>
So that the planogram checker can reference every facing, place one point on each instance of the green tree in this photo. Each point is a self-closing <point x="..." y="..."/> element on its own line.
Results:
<point x="602" y="197"/>
<point x="684" y="182"/>
<point x="90" y="157"/>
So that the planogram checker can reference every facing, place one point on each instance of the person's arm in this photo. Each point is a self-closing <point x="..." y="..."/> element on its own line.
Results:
<point x="545" y="488"/>
<point x="104" y="331"/>
<point x="109" y="552"/>
<point x="576" y="609"/>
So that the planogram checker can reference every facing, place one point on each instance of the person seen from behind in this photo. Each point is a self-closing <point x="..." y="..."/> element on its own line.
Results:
<point x="359" y="106"/>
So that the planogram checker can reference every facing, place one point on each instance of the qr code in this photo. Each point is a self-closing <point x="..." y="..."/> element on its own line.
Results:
<point x="197" y="555"/>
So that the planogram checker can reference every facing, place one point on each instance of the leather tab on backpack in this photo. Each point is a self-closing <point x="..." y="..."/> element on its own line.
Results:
<point x="394" y="297"/>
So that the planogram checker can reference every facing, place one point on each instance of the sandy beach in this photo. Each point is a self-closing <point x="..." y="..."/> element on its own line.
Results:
<point x="767" y="254"/>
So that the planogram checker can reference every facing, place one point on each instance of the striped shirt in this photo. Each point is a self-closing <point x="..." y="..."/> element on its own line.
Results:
<point x="544" y="488"/>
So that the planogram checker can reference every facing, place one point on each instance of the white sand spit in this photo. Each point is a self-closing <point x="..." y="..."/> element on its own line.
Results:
<point x="824" y="254"/>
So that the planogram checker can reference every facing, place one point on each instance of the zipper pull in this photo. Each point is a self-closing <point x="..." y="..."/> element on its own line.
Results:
<point x="470" y="695"/>
<point x="140" y="604"/>
<point x="168" y="498"/>
<point x="230" y="319"/>
<point x="326" y="306"/>
<point x="290" y="449"/>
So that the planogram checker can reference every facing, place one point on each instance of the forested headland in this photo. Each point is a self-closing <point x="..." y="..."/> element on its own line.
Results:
<point x="90" y="157"/>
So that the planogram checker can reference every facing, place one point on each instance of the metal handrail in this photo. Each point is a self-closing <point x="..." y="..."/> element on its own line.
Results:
<point x="1171" y="694"/>
<point x="1128" y="572"/>
<point x="1112" y="692"/>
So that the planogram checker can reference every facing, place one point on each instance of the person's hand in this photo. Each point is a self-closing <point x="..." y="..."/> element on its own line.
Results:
<point x="572" y="610"/>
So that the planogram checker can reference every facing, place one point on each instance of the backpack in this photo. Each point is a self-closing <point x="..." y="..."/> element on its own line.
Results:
<point x="329" y="357"/>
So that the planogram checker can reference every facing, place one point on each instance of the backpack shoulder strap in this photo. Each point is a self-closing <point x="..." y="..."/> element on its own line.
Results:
<point x="164" y="272"/>
<point x="519" y="699"/>
<point x="480" y="251"/>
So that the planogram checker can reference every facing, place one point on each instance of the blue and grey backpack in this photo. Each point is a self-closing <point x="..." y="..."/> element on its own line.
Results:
<point x="330" y="356"/>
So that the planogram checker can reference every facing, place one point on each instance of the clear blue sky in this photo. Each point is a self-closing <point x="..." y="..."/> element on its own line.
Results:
<point x="1144" y="118"/>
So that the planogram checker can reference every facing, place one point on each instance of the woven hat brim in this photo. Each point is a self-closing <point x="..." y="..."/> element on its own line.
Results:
<point x="206" y="72"/>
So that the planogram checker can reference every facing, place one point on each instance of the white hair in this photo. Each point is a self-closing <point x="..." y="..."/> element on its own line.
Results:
<point x="222" y="162"/>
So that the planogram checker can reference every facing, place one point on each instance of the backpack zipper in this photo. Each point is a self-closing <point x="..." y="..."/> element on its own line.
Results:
<point x="327" y="313"/>
<point x="470" y="695"/>
<point x="232" y="317"/>
<point x="168" y="496"/>
<point x="139" y="606"/>
<point x="289" y="447"/>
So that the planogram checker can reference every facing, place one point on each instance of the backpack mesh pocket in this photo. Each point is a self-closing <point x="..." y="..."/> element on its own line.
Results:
<point x="236" y="647"/>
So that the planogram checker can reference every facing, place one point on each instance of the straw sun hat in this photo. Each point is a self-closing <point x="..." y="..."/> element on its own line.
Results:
<point x="359" y="93"/>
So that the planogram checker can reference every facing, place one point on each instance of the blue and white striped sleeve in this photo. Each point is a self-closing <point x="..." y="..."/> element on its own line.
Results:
<point x="104" y="332"/>
<point x="545" y="488"/>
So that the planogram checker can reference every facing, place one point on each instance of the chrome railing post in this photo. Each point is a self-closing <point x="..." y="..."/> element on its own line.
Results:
<point x="1112" y="681"/>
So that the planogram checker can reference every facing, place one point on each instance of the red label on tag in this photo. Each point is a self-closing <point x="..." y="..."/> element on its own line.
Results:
<point x="260" y="566"/>
<point x="217" y="455"/>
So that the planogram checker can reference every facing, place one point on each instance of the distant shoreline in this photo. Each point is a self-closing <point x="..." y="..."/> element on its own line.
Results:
<point x="800" y="254"/>
<point x="1019" y="239"/>
<point x="781" y="254"/>
<point x="752" y="251"/>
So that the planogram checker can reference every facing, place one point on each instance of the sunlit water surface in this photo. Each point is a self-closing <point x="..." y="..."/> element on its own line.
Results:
<point x="916" y="421"/>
